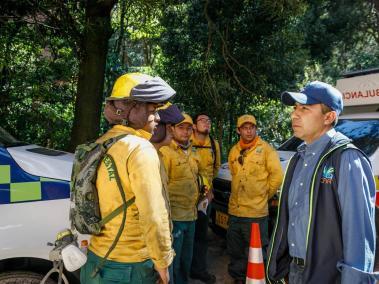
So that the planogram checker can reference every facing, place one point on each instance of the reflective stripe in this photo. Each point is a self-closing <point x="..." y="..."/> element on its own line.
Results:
<point x="5" y="173"/>
<point x="377" y="190"/>
<point x="277" y="219"/>
<point x="255" y="255"/>
<point x="255" y="281"/>
<point x="312" y="188"/>
<point x="25" y="191"/>
<point x="16" y="185"/>
<point x="50" y="179"/>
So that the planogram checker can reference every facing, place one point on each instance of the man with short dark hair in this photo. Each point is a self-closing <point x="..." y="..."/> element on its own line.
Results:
<point x="325" y="231"/>
<point x="182" y="170"/>
<point x="256" y="177"/>
<point x="208" y="153"/>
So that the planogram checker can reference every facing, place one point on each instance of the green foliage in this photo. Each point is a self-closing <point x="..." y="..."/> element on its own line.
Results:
<point x="341" y="36"/>
<point x="226" y="58"/>
<point x="37" y="84"/>
<point x="273" y="121"/>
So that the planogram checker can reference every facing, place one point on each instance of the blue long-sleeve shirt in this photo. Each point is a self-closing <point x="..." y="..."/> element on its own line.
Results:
<point x="356" y="192"/>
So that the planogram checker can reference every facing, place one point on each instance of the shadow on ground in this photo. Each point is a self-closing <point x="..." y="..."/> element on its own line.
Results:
<point x="217" y="259"/>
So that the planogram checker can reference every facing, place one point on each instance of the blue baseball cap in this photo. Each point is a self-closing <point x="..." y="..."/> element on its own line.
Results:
<point x="315" y="93"/>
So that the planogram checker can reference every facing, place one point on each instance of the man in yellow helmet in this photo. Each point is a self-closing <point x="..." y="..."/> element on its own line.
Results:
<point x="143" y="253"/>
<point x="182" y="171"/>
<point x="256" y="176"/>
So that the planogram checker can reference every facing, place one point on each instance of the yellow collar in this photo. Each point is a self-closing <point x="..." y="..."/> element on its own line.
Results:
<point x="196" y="142"/>
<point x="126" y="129"/>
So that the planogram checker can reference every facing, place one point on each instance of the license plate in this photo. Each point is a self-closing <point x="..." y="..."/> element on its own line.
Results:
<point x="222" y="219"/>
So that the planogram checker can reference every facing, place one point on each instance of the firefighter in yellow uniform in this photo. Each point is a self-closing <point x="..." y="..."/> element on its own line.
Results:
<point x="256" y="177"/>
<point x="182" y="170"/>
<point x="208" y="153"/>
<point x="144" y="250"/>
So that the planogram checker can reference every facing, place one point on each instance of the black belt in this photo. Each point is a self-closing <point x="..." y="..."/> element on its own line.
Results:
<point x="299" y="261"/>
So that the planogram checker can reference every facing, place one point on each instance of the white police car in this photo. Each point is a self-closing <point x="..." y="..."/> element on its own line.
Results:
<point x="34" y="206"/>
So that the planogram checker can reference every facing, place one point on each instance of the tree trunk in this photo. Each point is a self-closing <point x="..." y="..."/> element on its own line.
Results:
<point x="376" y="5"/>
<point x="120" y="40"/>
<point x="94" y="49"/>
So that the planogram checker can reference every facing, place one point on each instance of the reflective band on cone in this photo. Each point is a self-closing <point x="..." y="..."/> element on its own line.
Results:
<point x="255" y="255"/>
<point x="255" y="266"/>
<point x="253" y="281"/>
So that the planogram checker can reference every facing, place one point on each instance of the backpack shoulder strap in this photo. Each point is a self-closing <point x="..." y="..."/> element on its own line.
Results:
<point x="122" y="208"/>
<point x="109" y="142"/>
<point x="213" y="145"/>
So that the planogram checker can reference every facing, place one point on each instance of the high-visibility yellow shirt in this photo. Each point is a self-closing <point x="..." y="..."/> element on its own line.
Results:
<point x="255" y="181"/>
<point x="164" y="178"/>
<point x="209" y="161"/>
<point x="147" y="232"/>
<point x="182" y="170"/>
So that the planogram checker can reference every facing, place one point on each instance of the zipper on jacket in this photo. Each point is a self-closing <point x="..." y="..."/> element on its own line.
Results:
<point x="311" y="206"/>
<point x="276" y="223"/>
<point x="311" y="194"/>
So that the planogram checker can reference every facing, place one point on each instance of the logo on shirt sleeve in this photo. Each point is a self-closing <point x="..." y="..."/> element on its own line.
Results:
<point x="327" y="175"/>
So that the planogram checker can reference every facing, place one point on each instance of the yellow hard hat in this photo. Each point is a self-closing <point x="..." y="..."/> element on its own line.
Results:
<point x="187" y="119"/>
<point x="246" y="118"/>
<point x="141" y="87"/>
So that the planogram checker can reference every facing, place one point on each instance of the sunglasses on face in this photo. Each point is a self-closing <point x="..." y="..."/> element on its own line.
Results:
<point x="241" y="157"/>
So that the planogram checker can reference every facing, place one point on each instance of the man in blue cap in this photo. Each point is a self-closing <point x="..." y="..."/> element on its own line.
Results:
<point x="325" y="230"/>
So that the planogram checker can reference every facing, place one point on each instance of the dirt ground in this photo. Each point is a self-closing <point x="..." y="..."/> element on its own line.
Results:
<point x="217" y="259"/>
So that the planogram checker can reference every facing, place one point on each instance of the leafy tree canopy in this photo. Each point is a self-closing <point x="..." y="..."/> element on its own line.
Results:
<point x="226" y="58"/>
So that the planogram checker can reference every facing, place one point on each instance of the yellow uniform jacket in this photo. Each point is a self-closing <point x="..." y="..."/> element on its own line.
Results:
<point x="255" y="181"/>
<point x="208" y="167"/>
<point x="147" y="232"/>
<point x="182" y="170"/>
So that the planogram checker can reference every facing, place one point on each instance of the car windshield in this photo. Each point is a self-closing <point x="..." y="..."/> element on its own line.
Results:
<point x="364" y="133"/>
<point x="7" y="140"/>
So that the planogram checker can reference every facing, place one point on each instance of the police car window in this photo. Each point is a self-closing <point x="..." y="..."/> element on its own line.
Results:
<point x="364" y="133"/>
<point x="7" y="140"/>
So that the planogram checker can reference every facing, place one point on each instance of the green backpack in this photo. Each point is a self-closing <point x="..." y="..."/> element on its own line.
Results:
<point x="85" y="214"/>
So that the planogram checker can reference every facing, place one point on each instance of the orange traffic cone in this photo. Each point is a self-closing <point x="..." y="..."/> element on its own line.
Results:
<point x="255" y="266"/>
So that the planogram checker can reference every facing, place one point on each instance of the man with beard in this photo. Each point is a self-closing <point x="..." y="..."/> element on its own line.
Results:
<point x="208" y="153"/>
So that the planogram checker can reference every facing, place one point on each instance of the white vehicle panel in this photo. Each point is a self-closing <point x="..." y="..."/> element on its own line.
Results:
<point x="54" y="167"/>
<point x="224" y="172"/>
<point x="29" y="226"/>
